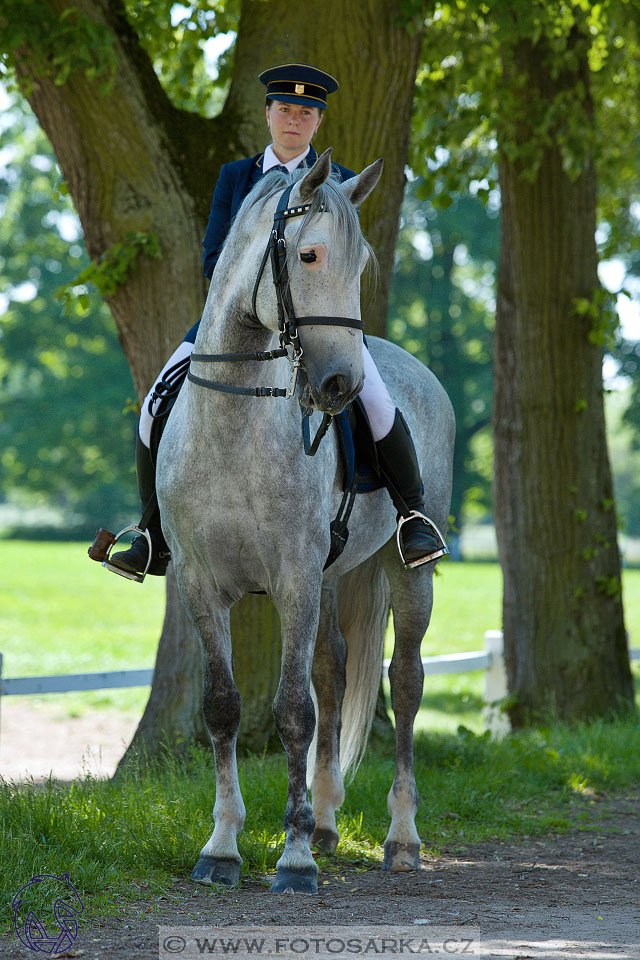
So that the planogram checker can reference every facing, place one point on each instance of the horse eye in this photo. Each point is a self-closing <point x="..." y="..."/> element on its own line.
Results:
<point x="309" y="256"/>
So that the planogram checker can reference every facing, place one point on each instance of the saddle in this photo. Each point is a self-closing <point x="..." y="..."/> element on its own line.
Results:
<point x="359" y="459"/>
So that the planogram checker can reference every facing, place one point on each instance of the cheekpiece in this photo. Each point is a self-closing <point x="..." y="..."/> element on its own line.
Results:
<point x="299" y="83"/>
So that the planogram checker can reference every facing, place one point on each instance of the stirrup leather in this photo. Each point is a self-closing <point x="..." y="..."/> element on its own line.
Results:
<point x="442" y="552"/>
<point x="138" y="577"/>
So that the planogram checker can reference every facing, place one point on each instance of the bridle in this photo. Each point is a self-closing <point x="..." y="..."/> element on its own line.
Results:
<point x="288" y="322"/>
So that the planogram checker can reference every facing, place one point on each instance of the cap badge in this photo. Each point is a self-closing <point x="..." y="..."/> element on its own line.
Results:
<point x="299" y="88"/>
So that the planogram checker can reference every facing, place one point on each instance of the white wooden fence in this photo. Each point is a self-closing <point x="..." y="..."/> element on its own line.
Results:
<point x="491" y="660"/>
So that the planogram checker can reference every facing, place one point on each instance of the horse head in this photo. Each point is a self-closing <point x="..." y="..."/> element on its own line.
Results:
<point x="326" y="254"/>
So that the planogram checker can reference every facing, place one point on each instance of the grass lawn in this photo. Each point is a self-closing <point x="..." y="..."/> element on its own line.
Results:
<point x="62" y="613"/>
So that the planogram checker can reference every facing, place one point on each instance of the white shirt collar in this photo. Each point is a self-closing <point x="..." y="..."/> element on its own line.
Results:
<point x="270" y="160"/>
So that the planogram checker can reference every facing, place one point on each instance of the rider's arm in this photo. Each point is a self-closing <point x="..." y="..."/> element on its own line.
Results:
<point x="219" y="221"/>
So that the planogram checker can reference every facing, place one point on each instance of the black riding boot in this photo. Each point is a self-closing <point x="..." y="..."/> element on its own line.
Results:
<point x="419" y="539"/>
<point x="134" y="560"/>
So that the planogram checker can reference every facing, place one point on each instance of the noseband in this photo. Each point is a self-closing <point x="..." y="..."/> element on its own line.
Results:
<point x="288" y="322"/>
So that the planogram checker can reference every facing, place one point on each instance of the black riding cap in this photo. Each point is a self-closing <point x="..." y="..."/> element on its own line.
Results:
<point x="299" y="83"/>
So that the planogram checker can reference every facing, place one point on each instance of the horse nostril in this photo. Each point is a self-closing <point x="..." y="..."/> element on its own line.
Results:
<point x="335" y="386"/>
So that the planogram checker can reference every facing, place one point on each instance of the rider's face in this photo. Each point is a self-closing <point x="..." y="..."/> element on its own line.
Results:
<point x="292" y="125"/>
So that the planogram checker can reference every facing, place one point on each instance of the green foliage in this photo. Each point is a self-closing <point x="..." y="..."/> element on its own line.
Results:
<point x="466" y="101"/>
<point x="113" y="267"/>
<point x="600" y="311"/>
<point x="627" y="355"/>
<point x="471" y="105"/>
<point x="61" y="46"/>
<point x="609" y="586"/>
<point x="176" y="44"/>
<point x="441" y="310"/>
<point x="470" y="96"/>
<point x="63" y="380"/>
<point x="624" y="444"/>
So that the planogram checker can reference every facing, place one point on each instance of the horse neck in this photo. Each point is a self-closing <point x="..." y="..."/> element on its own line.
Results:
<point x="227" y="328"/>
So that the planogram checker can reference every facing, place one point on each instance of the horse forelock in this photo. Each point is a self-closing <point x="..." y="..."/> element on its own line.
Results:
<point x="329" y="196"/>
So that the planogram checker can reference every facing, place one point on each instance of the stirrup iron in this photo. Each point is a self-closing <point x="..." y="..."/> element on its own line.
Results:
<point x="132" y="528"/>
<point x="422" y="560"/>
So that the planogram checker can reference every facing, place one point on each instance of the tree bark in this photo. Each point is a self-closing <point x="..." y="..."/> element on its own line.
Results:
<point x="135" y="163"/>
<point x="172" y="718"/>
<point x="565" y="643"/>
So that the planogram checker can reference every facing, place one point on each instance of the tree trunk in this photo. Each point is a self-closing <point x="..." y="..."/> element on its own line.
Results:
<point x="565" y="645"/>
<point x="173" y="714"/>
<point x="135" y="164"/>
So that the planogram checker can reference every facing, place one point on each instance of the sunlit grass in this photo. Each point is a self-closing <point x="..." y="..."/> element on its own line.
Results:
<point x="62" y="613"/>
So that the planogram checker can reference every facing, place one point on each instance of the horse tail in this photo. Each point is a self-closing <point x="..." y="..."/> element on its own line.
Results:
<point x="363" y="611"/>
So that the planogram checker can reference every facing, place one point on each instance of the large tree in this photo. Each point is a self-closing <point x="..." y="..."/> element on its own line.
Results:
<point x="546" y="80"/>
<point x="566" y="648"/>
<point x="140" y="169"/>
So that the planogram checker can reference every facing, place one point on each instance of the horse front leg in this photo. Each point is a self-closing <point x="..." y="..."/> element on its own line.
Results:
<point x="411" y="601"/>
<point x="296" y="870"/>
<point x="220" y="860"/>
<point x="328" y="675"/>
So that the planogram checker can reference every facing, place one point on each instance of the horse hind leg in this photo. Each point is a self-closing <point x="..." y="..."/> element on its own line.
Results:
<point x="411" y="600"/>
<point x="220" y="861"/>
<point x="328" y="675"/>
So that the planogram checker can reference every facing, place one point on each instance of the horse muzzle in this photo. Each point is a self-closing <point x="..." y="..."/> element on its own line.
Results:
<point x="333" y="393"/>
<point x="332" y="362"/>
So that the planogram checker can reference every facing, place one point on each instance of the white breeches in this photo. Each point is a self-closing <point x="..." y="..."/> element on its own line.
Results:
<point x="374" y="395"/>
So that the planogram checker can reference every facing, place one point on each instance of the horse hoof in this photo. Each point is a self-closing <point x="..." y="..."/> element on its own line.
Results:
<point x="295" y="881"/>
<point x="223" y="870"/>
<point x="401" y="857"/>
<point x="325" y="840"/>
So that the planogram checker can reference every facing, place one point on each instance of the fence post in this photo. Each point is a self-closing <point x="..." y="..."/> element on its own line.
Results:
<point x="495" y="685"/>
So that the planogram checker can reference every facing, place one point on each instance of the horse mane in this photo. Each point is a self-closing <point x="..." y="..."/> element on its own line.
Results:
<point x="346" y="222"/>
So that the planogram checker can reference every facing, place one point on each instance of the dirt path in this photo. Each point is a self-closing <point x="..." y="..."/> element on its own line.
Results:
<point x="570" y="896"/>
<point x="38" y="738"/>
<point x="576" y="895"/>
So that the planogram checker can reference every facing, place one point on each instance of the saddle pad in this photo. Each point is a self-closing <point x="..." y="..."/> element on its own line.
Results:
<point x="358" y="449"/>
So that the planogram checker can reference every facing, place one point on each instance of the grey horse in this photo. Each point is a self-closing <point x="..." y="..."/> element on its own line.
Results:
<point x="244" y="509"/>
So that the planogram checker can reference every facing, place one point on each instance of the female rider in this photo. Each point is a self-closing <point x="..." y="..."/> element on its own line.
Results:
<point x="295" y="101"/>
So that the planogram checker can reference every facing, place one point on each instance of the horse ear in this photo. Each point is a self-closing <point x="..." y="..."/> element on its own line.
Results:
<point x="358" y="188"/>
<point x="318" y="175"/>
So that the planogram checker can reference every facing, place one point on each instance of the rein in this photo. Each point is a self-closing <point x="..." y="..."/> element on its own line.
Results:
<point x="288" y="322"/>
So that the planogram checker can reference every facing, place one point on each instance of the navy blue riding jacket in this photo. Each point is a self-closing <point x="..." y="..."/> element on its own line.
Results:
<point x="235" y="182"/>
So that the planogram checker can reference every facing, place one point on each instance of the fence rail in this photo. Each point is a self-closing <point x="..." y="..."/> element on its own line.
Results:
<point x="491" y="660"/>
<point x="65" y="683"/>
